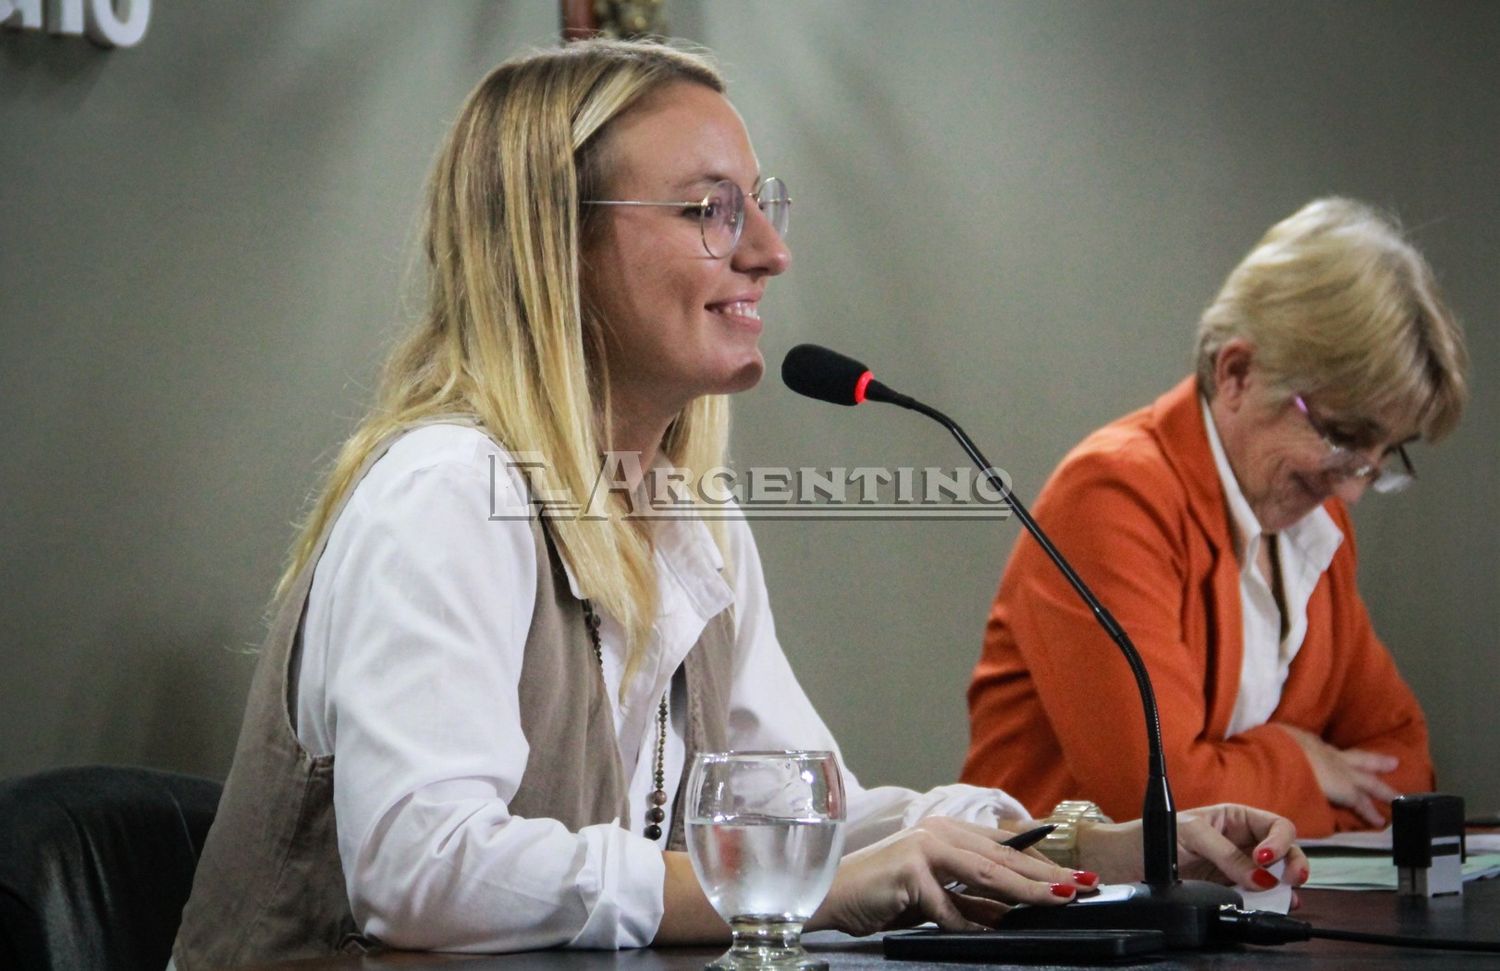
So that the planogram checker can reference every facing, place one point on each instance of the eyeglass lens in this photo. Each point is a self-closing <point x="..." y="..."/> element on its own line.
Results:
<point x="1394" y="473"/>
<point x="1391" y="472"/>
<point x="722" y="216"/>
<point x="775" y="204"/>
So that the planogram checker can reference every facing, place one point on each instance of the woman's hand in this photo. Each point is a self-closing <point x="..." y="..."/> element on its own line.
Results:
<point x="1349" y="777"/>
<point x="1227" y="843"/>
<point x="902" y="880"/>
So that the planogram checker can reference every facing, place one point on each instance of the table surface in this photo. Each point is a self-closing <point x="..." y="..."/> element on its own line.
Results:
<point x="1473" y="916"/>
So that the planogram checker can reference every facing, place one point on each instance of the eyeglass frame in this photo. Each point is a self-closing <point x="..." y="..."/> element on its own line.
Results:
<point x="1345" y="461"/>
<point x="703" y="205"/>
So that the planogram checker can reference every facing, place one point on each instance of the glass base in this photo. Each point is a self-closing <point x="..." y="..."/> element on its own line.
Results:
<point x="766" y="942"/>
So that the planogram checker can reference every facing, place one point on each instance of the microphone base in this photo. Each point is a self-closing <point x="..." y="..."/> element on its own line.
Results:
<point x="1185" y="912"/>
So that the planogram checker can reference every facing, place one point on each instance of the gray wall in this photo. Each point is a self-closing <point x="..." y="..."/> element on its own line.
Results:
<point x="1015" y="210"/>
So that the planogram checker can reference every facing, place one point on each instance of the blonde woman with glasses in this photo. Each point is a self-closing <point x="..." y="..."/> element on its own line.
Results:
<point x="473" y="714"/>
<point x="1214" y="524"/>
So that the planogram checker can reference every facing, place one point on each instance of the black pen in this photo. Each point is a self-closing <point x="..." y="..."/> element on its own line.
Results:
<point x="1030" y="838"/>
<point x="1020" y="841"/>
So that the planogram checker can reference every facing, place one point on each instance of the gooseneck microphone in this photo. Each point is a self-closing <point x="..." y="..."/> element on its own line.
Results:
<point x="1185" y="912"/>
<point x="1189" y="914"/>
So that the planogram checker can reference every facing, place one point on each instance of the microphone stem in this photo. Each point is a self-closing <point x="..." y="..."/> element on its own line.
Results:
<point x="1158" y="815"/>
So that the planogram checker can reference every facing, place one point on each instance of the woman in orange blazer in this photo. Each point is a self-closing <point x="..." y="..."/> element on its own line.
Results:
<point x="1213" y="524"/>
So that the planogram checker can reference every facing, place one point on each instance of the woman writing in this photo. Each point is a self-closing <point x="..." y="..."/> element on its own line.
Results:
<point x="470" y="723"/>
<point x="1214" y="523"/>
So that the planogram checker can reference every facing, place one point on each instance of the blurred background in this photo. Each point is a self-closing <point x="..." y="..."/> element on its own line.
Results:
<point x="1013" y="210"/>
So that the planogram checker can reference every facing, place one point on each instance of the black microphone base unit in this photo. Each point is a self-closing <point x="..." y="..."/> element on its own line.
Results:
<point x="1186" y="913"/>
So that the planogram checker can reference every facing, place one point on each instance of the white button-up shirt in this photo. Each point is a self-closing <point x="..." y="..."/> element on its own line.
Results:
<point x="412" y="646"/>
<point x="1304" y="551"/>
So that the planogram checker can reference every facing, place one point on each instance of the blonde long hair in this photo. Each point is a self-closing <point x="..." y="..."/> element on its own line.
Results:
<point x="507" y="336"/>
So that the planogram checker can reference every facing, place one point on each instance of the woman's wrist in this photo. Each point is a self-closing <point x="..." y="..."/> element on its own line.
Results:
<point x="1113" y="850"/>
<point x="1099" y="849"/>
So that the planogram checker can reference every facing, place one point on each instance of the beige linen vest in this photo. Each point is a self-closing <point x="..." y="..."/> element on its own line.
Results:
<point x="270" y="885"/>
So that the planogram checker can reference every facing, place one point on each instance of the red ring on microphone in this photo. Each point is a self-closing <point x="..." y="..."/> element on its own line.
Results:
<point x="860" y="385"/>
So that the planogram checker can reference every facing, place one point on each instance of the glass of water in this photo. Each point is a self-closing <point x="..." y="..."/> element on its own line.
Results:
<point x="765" y="833"/>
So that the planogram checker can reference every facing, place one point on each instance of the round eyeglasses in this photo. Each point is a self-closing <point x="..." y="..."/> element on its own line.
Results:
<point x="721" y="213"/>
<point x="1344" y="460"/>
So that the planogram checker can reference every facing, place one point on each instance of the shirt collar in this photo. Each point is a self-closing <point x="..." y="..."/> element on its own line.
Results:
<point x="684" y="550"/>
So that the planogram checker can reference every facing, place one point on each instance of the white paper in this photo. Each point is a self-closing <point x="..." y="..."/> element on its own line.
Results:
<point x="1363" y="872"/>
<point x="1375" y="840"/>
<point x="1277" y="900"/>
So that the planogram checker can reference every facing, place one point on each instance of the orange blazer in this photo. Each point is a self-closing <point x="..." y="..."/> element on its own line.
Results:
<point x="1054" y="713"/>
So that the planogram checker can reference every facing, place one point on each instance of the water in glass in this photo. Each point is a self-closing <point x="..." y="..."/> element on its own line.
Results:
<point x="780" y="869"/>
<point x="765" y="833"/>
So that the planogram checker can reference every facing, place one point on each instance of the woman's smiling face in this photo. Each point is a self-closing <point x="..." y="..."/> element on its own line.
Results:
<point x="678" y="323"/>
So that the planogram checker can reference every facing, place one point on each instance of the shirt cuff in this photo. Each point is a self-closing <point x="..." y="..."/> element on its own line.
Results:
<point x="971" y="804"/>
<point x="623" y="878"/>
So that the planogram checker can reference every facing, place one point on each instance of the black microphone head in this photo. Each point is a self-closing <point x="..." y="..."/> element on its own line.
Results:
<point x="829" y="376"/>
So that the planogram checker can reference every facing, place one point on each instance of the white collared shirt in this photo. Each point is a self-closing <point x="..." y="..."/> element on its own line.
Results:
<point x="415" y="631"/>
<point x="1304" y="551"/>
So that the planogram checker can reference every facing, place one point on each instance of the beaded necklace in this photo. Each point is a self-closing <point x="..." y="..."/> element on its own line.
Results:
<point x="658" y="798"/>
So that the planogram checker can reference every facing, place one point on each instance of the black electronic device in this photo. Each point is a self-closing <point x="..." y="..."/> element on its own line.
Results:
<point x="1023" y="947"/>
<point x="1427" y="843"/>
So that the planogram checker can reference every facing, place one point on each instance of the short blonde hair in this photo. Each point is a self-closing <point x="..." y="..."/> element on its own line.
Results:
<point x="507" y="337"/>
<point x="1337" y="302"/>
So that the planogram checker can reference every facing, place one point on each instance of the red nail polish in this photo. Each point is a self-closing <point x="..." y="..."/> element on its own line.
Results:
<point x="1086" y="877"/>
<point x="1264" y="855"/>
<point x="1264" y="879"/>
<point x="1302" y="876"/>
<point x="1062" y="890"/>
